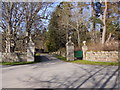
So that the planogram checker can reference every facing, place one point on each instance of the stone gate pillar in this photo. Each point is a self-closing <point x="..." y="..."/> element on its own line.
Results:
<point x="30" y="50"/>
<point x="70" y="50"/>
<point x="84" y="49"/>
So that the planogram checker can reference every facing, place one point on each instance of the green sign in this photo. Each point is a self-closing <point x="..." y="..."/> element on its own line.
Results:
<point x="78" y="54"/>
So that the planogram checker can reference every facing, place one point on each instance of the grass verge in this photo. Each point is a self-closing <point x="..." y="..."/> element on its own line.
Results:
<point x="16" y="63"/>
<point x="88" y="62"/>
<point x="61" y="58"/>
<point x="95" y="63"/>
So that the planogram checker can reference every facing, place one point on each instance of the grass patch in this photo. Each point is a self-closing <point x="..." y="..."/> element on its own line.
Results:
<point x="88" y="62"/>
<point x="16" y="63"/>
<point x="95" y="63"/>
<point x="61" y="58"/>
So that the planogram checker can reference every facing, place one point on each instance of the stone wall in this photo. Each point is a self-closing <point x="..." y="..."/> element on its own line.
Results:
<point x="13" y="57"/>
<point x="102" y="56"/>
<point x="63" y="54"/>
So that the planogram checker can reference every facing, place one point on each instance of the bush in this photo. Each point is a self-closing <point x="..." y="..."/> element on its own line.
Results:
<point x="110" y="46"/>
<point x="37" y="54"/>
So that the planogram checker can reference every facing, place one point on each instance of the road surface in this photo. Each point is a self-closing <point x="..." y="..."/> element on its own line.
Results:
<point x="54" y="73"/>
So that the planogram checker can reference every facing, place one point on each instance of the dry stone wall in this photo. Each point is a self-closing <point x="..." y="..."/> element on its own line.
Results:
<point x="102" y="56"/>
<point x="13" y="57"/>
<point x="63" y="54"/>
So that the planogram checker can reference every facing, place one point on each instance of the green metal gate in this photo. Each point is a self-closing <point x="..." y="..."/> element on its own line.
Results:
<point x="78" y="54"/>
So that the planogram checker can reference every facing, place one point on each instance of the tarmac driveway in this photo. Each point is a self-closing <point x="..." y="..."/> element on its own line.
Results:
<point x="53" y="73"/>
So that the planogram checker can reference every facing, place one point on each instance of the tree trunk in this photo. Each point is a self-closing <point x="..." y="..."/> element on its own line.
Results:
<point x="78" y="38"/>
<point x="93" y="23"/>
<point x="8" y="40"/>
<point x="9" y="33"/>
<point x="7" y="45"/>
<point x="109" y="37"/>
<point x="104" y="22"/>
<point x="101" y="27"/>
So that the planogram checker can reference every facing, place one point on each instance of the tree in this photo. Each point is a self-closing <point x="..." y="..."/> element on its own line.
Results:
<point x="77" y="20"/>
<point x="11" y="20"/>
<point x="112" y="23"/>
<point x="93" y="22"/>
<point x="18" y="18"/>
<point x="56" y="33"/>
<point x="66" y="20"/>
<point x="104" y="22"/>
<point x="110" y="20"/>
<point x="31" y="12"/>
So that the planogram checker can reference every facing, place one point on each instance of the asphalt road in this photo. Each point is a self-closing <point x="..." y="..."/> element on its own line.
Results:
<point x="53" y="73"/>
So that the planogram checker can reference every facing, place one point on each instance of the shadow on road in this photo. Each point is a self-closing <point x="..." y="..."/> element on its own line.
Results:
<point x="44" y="59"/>
<point x="100" y="77"/>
